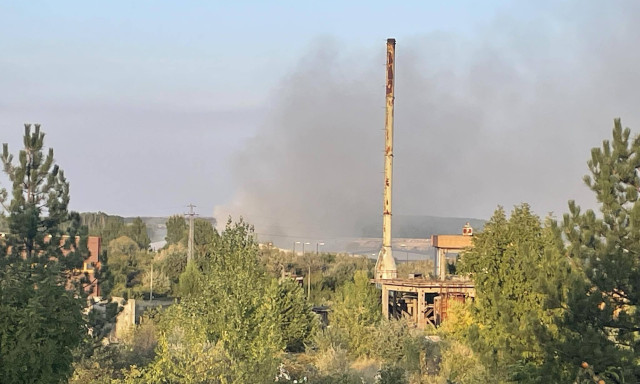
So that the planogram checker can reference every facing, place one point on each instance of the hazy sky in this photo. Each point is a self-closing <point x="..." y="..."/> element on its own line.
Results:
<point x="274" y="110"/>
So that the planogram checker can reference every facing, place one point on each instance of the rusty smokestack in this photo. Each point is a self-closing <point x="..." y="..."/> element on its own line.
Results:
<point x="386" y="264"/>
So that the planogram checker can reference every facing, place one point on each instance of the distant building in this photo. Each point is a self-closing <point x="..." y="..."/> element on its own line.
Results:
<point x="90" y="266"/>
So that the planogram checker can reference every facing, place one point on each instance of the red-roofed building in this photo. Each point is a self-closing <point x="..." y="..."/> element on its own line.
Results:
<point x="91" y="265"/>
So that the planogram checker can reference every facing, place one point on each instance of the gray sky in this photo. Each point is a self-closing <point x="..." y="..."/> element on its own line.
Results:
<point x="276" y="111"/>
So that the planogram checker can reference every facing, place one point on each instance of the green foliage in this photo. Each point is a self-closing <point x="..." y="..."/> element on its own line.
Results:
<point x="107" y="362"/>
<point x="127" y="265"/>
<point x="37" y="336"/>
<point x="176" y="229"/>
<point x="458" y="322"/>
<point x="402" y="345"/>
<point x="332" y="360"/>
<point x="161" y="284"/>
<point x="108" y="227"/>
<point x="203" y="236"/>
<point x="295" y="318"/>
<point x="356" y="312"/>
<point x="103" y="275"/>
<point x="190" y="282"/>
<point x="341" y="378"/>
<point x="391" y="374"/>
<point x="174" y="262"/>
<point x="329" y="272"/>
<point x="99" y="367"/>
<point x="38" y="215"/>
<point x="227" y="329"/>
<point x="203" y="233"/>
<point x="521" y="277"/>
<point x="41" y="322"/>
<point x="460" y="364"/>
<point x="277" y="262"/>
<point x="137" y="231"/>
<point x="4" y="224"/>
<point x="604" y="307"/>
<point x="335" y="272"/>
<point x="123" y="245"/>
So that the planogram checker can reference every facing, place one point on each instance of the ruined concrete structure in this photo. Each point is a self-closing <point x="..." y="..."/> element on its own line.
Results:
<point x="445" y="244"/>
<point x="425" y="300"/>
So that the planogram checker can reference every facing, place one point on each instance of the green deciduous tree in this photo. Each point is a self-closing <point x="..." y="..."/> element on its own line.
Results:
<point x="228" y="326"/>
<point x="137" y="231"/>
<point x="605" y="312"/>
<point x="41" y="320"/>
<point x="161" y="283"/>
<point x="176" y="229"/>
<point x="521" y="276"/>
<point x="356" y="312"/>
<point x="126" y="263"/>
<point x="174" y="262"/>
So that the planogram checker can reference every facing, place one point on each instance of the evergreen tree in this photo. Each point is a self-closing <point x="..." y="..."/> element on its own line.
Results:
<point x="605" y="312"/>
<point x="520" y="274"/>
<point x="203" y="235"/>
<point x="296" y="319"/>
<point x="41" y="320"/>
<point x="4" y="225"/>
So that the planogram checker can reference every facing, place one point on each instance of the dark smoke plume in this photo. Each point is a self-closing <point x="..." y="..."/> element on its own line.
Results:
<point x="504" y="117"/>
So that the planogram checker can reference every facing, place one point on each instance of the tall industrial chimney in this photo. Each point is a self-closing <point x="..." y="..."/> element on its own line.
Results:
<point x="386" y="264"/>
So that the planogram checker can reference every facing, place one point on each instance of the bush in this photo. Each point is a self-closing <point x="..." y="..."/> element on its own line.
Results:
<point x="332" y="361"/>
<point x="391" y="375"/>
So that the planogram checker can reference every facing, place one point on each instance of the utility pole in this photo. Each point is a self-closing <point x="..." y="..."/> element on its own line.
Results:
<point x="151" y="284"/>
<point x="191" y="215"/>
<point x="318" y="244"/>
<point x="309" y="275"/>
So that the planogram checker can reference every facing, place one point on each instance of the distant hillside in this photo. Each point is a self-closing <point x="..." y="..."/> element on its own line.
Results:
<point x="418" y="227"/>
<point x="404" y="226"/>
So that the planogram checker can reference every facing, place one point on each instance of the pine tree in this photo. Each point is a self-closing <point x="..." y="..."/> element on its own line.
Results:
<point x="41" y="318"/>
<point x="605" y="312"/>
<point x="520" y="274"/>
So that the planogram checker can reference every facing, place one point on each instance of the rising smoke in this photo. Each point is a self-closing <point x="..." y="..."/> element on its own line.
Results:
<point x="506" y="116"/>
